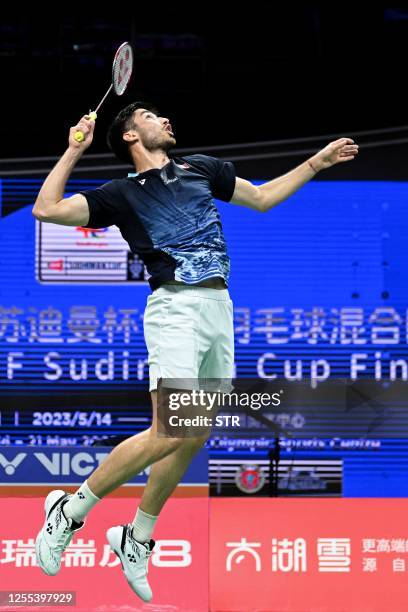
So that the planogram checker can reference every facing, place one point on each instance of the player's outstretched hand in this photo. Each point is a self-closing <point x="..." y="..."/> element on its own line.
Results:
<point x="336" y="152"/>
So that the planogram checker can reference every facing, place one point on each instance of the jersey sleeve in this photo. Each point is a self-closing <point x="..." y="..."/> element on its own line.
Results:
<point x="106" y="205"/>
<point x="221" y="175"/>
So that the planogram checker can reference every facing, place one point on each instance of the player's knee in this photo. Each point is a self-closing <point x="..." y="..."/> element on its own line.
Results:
<point x="167" y="445"/>
<point x="196" y="442"/>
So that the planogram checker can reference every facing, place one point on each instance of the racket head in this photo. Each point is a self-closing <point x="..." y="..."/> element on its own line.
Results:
<point x="122" y="68"/>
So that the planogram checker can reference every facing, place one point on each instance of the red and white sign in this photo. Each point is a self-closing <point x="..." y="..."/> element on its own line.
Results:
<point x="71" y="254"/>
<point x="298" y="555"/>
<point x="178" y="570"/>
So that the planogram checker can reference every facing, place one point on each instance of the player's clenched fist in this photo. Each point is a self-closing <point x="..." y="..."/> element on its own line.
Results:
<point x="81" y="135"/>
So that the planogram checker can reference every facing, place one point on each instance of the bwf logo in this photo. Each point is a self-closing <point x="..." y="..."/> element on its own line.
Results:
<point x="11" y="466"/>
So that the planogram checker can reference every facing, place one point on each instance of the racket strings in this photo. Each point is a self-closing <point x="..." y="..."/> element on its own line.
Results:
<point x="122" y="69"/>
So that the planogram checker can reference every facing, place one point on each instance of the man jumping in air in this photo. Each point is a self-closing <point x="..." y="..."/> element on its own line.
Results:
<point x="166" y="212"/>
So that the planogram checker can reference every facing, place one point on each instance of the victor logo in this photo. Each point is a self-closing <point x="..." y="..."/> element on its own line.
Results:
<point x="11" y="466"/>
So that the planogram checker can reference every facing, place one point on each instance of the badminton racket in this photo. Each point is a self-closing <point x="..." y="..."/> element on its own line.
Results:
<point x="121" y="72"/>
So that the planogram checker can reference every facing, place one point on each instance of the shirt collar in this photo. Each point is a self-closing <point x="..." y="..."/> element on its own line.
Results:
<point x="133" y="174"/>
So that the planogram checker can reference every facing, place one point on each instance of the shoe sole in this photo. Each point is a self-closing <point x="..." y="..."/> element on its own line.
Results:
<point x="37" y="553"/>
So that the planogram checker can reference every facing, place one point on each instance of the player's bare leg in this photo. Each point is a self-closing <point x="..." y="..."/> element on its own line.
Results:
<point x="131" y="457"/>
<point x="132" y="543"/>
<point x="166" y="473"/>
<point x="65" y="513"/>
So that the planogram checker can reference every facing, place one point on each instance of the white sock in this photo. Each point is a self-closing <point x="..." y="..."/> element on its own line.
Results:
<point x="143" y="525"/>
<point x="78" y="506"/>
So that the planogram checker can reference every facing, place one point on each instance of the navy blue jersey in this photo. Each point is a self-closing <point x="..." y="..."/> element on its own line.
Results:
<point x="169" y="218"/>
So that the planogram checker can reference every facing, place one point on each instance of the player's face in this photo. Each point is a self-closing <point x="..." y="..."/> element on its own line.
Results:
<point x="154" y="132"/>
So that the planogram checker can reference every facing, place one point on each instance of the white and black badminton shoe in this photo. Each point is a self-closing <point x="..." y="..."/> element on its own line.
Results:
<point x="134" y="557"/>
<point x="56" y="533"/>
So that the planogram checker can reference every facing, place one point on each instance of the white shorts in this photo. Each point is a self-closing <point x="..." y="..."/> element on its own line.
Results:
<point x="189" y="333"/>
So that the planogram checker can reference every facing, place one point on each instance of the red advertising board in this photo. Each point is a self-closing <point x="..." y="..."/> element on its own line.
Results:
<point x="275" y="555"/>
<point x="178" y="568"/>
<point x="309" y="555"/>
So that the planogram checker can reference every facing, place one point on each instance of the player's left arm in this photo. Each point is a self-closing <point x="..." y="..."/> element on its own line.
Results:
<point x="264" y="197"/>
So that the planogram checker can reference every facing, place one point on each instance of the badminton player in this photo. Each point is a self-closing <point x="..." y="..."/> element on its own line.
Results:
<point x="166" y="212"/>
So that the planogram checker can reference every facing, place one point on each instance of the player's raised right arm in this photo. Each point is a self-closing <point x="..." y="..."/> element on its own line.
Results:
<point x="50" y="205"/>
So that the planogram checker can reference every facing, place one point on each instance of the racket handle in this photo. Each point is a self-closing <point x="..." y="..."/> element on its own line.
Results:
<point x="79" y="136"/>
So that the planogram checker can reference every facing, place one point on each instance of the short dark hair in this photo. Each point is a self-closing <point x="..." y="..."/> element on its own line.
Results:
<point x="123" y="122"/>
